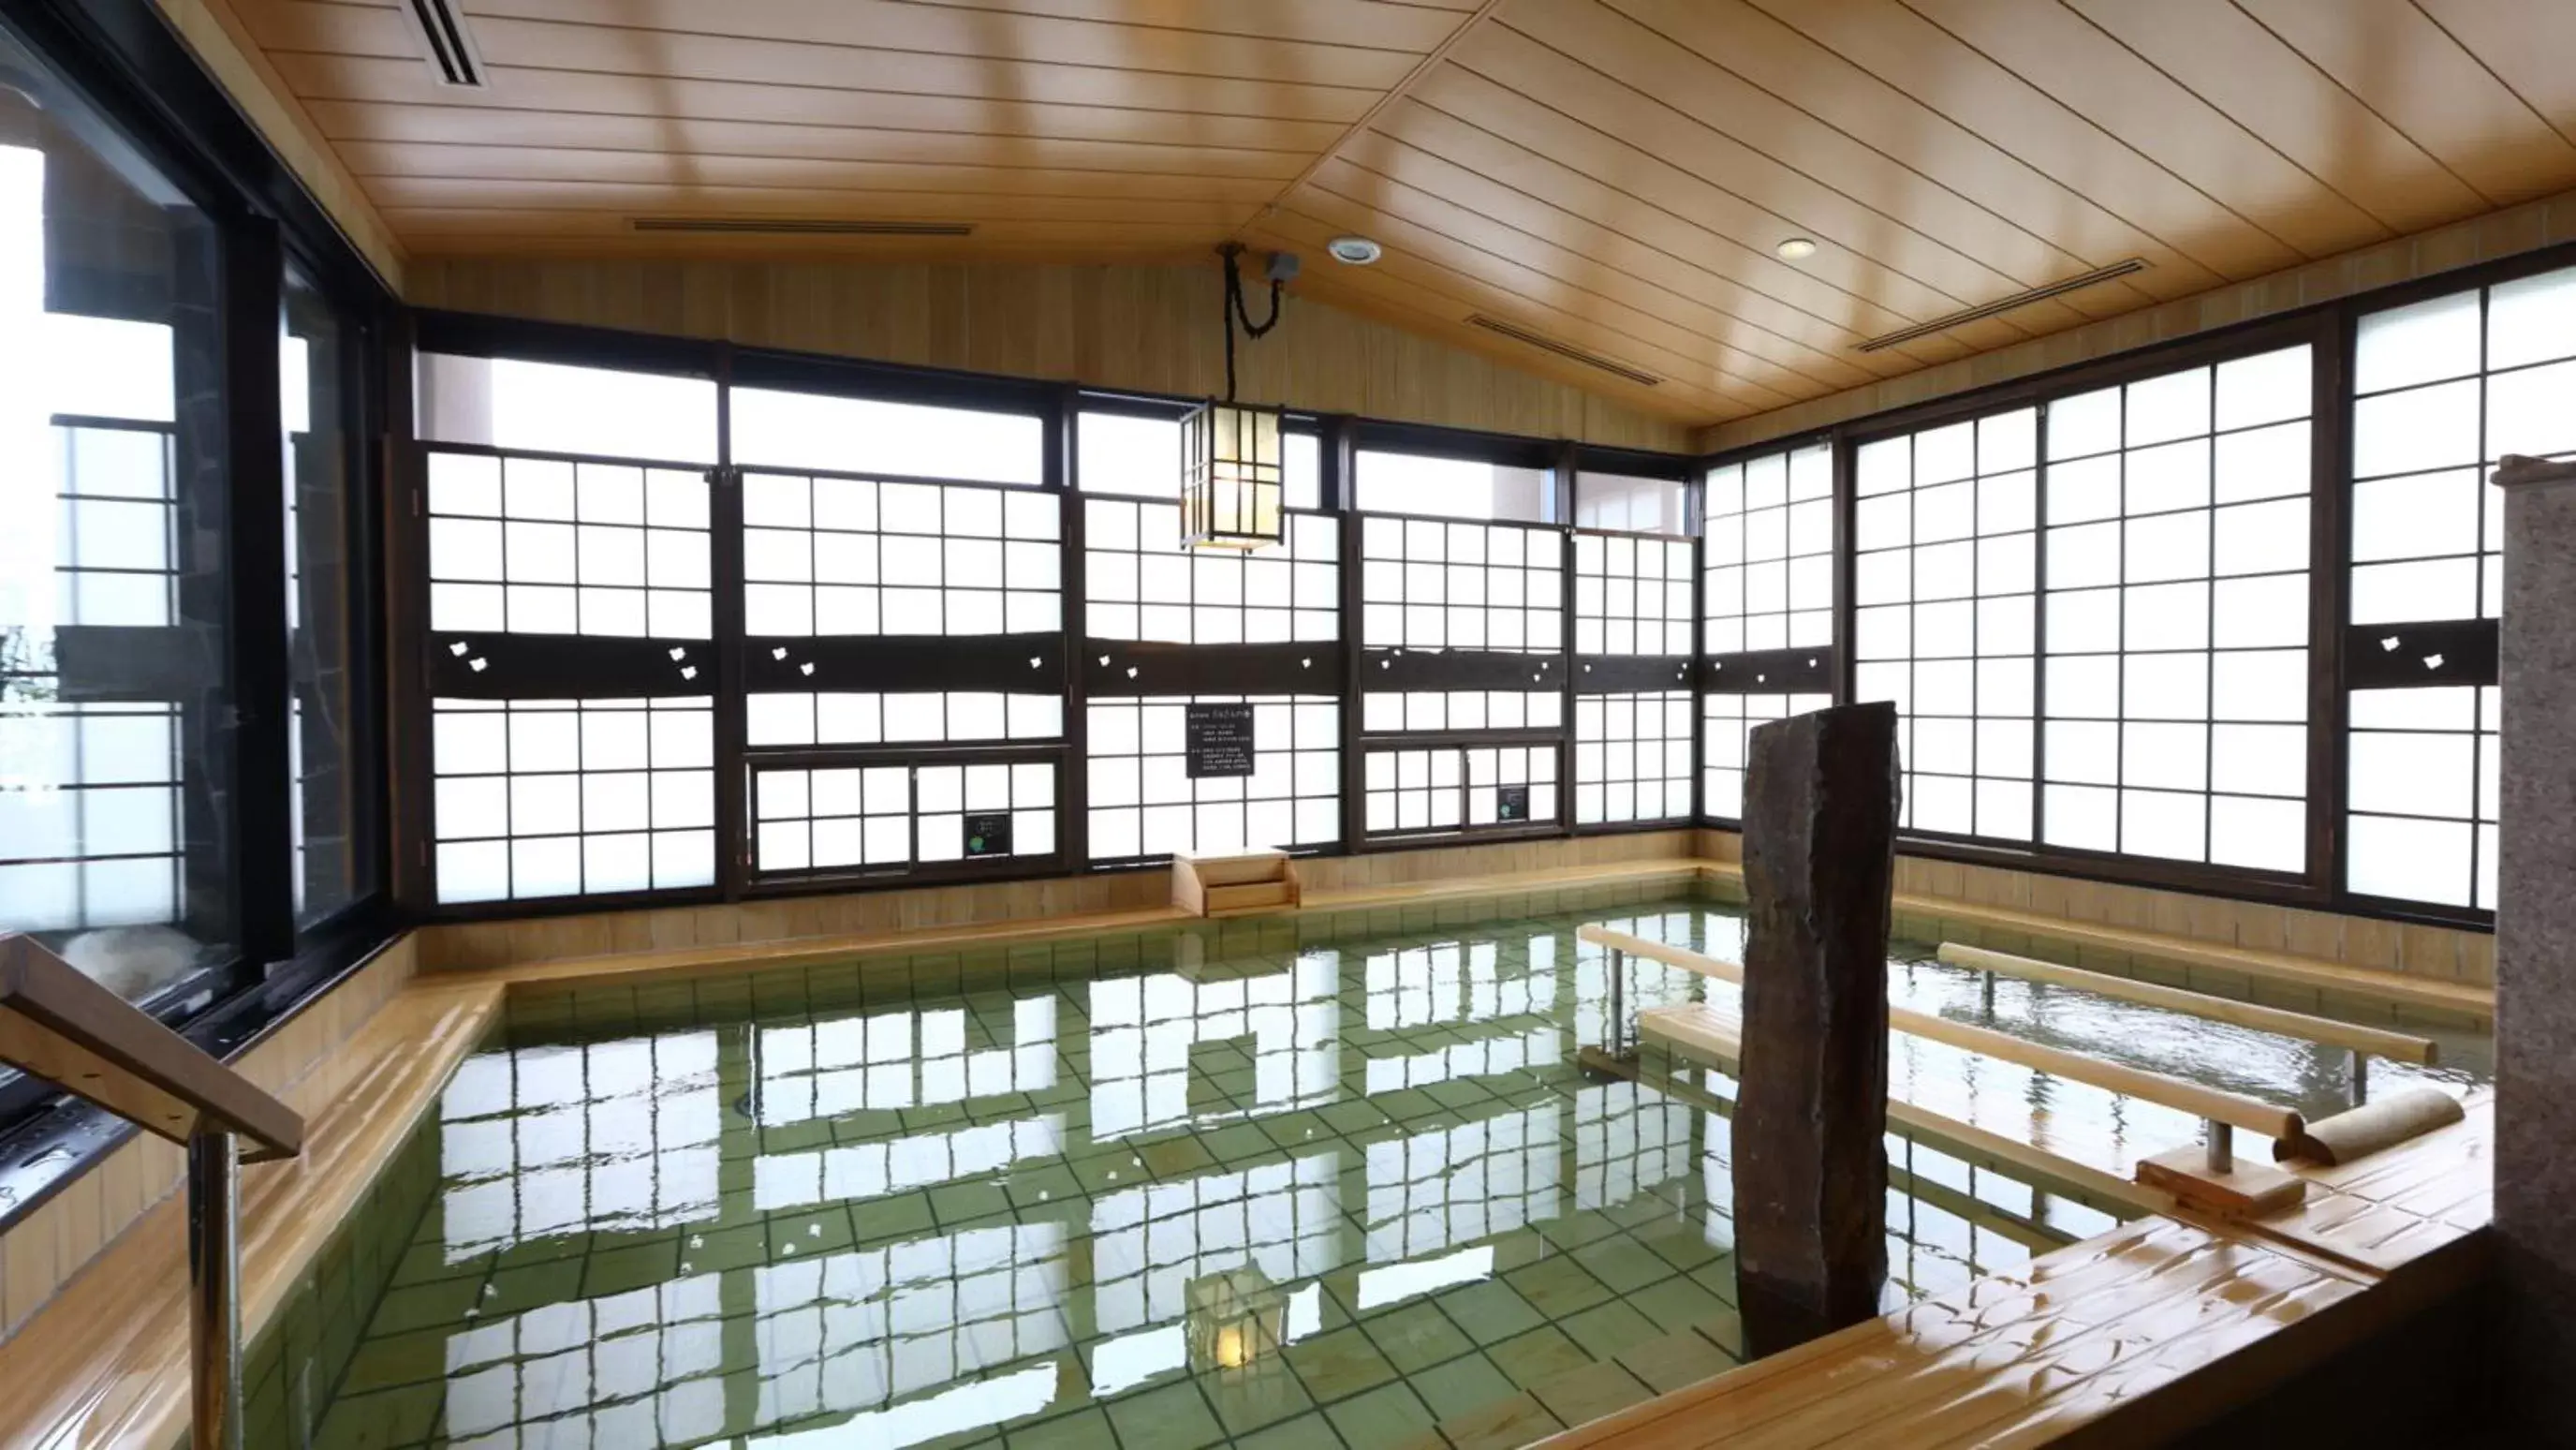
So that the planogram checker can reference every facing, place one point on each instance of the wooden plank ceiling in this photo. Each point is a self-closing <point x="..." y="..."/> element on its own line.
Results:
<point x="1612" y="174"/>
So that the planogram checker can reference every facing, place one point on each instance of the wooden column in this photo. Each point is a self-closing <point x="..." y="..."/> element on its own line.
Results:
<point x="1811" y="1106"/>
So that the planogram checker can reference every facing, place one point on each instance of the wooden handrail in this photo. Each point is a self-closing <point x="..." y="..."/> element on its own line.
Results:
<point x="2376" y="1041"/>
<point x="2216" y="1105"/>
<point x="57" y="1024"/>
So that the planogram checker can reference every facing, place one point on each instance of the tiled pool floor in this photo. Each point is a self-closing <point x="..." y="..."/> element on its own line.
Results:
<point x="1348" y="1195"/>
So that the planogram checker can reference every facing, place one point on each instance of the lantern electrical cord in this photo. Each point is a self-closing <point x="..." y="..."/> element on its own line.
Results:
<point x="1235" y="309"/>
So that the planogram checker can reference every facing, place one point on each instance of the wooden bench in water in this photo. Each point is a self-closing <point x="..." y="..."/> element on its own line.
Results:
<point x="2125" y="1339"/>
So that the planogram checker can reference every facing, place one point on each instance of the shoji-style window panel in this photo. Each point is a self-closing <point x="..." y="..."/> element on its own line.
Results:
<point x="1443" y="789"/>
<point x="901" y="717"/>
<point x="850" y="556"/>
<point x="2178" y="545"/>
<point x="1390" y="711"/>
<point x="537" y="798"/>
<point x="1632" y="596"/>
<point x="1726" y="731"/>
<point x="1632" y="757"/>
<point x="1141" y="584"/>
<point x="1144" y="803"/>
<point x="1429" y="584"/>
<point x="2442" y="390"/>
<point x="1767" y="542"/>
<point x="1945" y="537"/>
<point x="2423" y="795"/>
<point x="892" y="815"/>
<point x="531" y="545"/>
<point x="1139" y="456"/>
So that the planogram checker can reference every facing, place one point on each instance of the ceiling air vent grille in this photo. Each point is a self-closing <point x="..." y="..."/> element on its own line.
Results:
<point x="450" y="45"/>
<point x="2040" y="293"/>
<point x="799" y="226"/>
<point x="1566" y="350"/>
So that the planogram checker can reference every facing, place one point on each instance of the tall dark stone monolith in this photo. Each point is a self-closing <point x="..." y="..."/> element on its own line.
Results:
<point x="1811" y="1102"/>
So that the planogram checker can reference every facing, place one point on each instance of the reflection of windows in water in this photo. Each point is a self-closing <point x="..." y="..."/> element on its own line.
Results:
<point x="850" y="1331"/>
<point x="860" y="1171"/>
<point x="637" y="1368"/>
<point x="1144" y="1028"/>
<point x="1647" y="983"/>
<point x="1457" y="982"/>
<point x="1538" y="1047"/>
<point x="1930" y="1248"/>
<point x="1148" y="1243"/>
<point x="1627" y="1139"/>
<point x="894" y="1060"/>
<point x="538" y="1142"/>
<point x="1451" y="1186"/>
<point x="572" y="797"/>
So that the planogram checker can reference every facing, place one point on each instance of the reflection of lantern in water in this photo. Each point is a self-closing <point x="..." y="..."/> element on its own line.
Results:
<point x="1235" y="1318"/>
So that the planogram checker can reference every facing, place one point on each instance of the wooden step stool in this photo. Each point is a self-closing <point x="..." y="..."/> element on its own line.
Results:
<point x="1233" y="885"/>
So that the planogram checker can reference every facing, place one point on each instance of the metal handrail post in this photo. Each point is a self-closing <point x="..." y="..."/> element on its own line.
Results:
<point x="214" y="1291"/>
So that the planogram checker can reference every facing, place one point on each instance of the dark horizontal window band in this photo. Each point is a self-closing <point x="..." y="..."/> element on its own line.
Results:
<point x="1000" y="663"/>
<point x="1126" y="668"/>
<point x="567" y="667"/>
<point x="2427" y="655"/>
<point x="1403" y="667"/>
<point x="1812" y="670"/>
<point x="1631" y="674"/>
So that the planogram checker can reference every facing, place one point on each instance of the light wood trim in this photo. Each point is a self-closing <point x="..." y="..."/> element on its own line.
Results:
<point x="59" y="1025"/>
<point x="2375" y="1041"/>
<point x="2180" y="1094"/>
<point x="1696" y="1029"/>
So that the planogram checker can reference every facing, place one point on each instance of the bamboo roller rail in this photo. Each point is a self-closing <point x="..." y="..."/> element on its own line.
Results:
<point x="2376" y="1041"/>
<point x="2213" y="1104"/>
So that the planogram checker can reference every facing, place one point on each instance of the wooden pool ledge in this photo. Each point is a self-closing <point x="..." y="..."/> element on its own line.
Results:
<point x="2128" y="1338"/>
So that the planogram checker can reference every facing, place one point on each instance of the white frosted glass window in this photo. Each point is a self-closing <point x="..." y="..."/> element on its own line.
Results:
<point x="1144" y="803"/>
<point x="542" y="546"/>
<point x="1140" y="583"/>
<point x="871" y="816"/>
<point x="536" y="798"/>
<point x="1628" y="503"/>
<point x="784" y="430"/>
<point x="534" y="407"/>
<point x="2442" y="389"/>
<point x="2173" y="700"/>
<point x="1945" y="617"/>
<point x="1766" y="545"/>
<point x="1632" y="596"/>
<point x="1456" y="488"/>
<point x="850" y="556"/>
<point x="1451" y="789"/>
<point x="1726" y="729"/>
<point x="1632" y="757"/>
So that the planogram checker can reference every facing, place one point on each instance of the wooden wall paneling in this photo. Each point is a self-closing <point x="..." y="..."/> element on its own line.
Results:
<point x="2396" y="59"/>
<point x="1143" y="327"/>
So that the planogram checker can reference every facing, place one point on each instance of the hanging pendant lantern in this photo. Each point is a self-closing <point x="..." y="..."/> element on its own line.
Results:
<point x="1234" y="476"/>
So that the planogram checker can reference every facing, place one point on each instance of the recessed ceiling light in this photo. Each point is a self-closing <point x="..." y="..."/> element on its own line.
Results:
<point x="1358" y="251"/>
<point x="1796" y="249"/>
